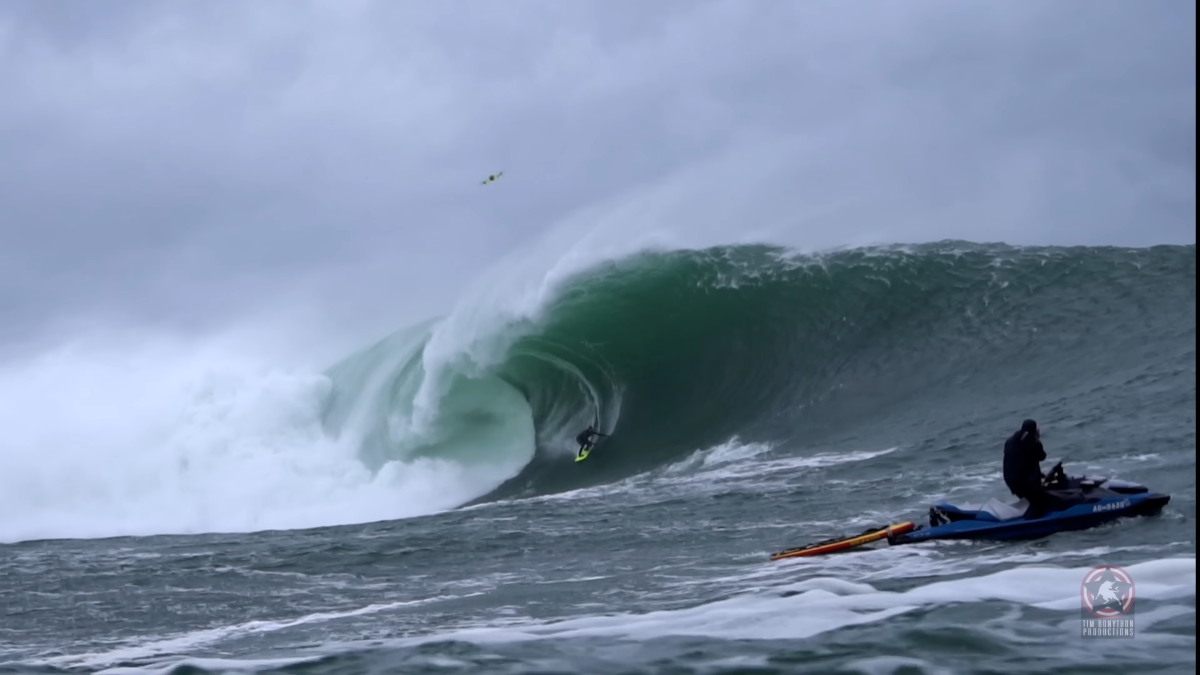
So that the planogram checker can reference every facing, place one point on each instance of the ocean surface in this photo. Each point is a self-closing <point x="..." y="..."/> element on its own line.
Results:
<point x="416" y="508"/>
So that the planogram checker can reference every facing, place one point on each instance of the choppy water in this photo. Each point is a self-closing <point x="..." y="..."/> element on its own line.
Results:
<point x="757" y="401"/>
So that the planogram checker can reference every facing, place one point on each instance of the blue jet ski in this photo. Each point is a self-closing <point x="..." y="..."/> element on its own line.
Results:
<point x="1092" y="501"/>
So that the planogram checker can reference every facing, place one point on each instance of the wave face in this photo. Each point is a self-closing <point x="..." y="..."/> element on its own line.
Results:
<point x="680" y="350"/>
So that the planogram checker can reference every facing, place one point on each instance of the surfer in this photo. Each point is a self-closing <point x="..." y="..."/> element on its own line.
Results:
<point x="586" y="438"/>
<point x="1023" y="454"/>
<point x="492" y="178"/>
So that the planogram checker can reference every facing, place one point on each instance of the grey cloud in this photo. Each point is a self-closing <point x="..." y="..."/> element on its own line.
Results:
<point x="190" y="164"/>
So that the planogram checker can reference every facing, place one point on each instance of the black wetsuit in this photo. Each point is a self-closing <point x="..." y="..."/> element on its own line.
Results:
<point x="1023" y="452"/>
<point x="585" y="438"/>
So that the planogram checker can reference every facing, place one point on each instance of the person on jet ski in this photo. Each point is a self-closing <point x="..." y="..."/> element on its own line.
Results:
<point x="1023" y="454"/>
<point x="586" y="438"/>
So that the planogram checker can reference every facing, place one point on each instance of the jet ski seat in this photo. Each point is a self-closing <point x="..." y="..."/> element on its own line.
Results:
<point x="1004" y="511"/>
<point x="992" y="510"/>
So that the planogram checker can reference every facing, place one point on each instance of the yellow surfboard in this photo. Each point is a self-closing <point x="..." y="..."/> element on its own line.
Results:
<point x="583" y="455"/>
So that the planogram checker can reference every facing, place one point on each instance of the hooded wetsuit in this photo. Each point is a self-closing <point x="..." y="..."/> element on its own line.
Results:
<point x="1023" y="452"/>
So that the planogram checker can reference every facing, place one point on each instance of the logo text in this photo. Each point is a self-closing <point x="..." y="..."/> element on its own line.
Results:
<point x="1124" y="503"/>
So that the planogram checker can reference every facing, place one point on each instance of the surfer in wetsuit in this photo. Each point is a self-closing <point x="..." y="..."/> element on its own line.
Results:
<point x="1023" y="454"/>
<point x="586" y="438"/>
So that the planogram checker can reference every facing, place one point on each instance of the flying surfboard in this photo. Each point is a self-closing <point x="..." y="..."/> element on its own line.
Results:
<point x="584" y="455"/>
<point x="492" y="178"/>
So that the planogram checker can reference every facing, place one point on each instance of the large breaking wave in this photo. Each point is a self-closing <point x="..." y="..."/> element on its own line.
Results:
<point x="680" y="350"/>
<point x="672" y="351"/>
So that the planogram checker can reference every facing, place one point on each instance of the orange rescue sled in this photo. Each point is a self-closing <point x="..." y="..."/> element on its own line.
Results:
<point x="834" y="545"/>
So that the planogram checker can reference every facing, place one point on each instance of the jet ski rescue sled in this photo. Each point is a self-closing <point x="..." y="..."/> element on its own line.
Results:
<point x="869" y="535"/>
<point x="1091" y="501"/>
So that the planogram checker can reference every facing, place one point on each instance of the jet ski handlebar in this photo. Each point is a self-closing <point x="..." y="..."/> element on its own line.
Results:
<point x="1056" y="476"/>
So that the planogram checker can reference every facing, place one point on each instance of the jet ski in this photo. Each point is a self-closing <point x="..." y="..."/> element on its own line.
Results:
<point x="1091" y="501"/>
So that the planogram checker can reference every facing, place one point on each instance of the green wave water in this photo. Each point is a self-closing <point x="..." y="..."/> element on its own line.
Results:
<point x="679" y="350"/>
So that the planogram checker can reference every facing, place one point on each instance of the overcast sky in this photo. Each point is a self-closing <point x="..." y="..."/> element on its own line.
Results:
<point x="187" y="165"/>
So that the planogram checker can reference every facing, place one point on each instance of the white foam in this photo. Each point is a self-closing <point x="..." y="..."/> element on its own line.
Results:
<point x="821" y="605"/>
<point x="728" y="452"/>
<point x="791" y="611"/>
<point x="834" y="459"/>
<point x="733" y="451"/>
<point x="183" y="642"/>
<point x="888" y="665"/>
<point x="707" y="469"/>
<point x="716" y="468"/>
<point x="158" y="436"/>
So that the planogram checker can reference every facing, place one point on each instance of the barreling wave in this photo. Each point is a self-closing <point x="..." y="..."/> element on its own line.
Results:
<point x="680" y="350"/>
